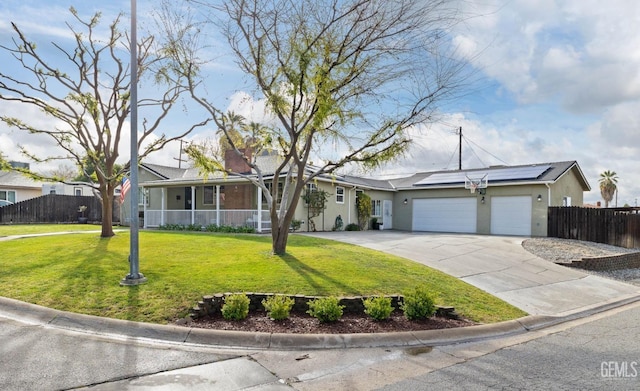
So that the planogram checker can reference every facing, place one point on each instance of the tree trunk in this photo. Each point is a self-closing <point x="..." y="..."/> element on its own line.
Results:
<point x="279" y="236"/>
<point x="107" y="215"/>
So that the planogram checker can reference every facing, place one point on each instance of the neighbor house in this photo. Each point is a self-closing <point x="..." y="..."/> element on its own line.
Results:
<point x="15" y="187"/>
<point x="65" y="189"/>
<point x="514" y="201"/>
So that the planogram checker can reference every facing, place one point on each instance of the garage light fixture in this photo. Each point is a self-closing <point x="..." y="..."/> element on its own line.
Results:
<point x="482" y="200"/>
<point x="406" y="201"/>
<point x="539" y="197"/>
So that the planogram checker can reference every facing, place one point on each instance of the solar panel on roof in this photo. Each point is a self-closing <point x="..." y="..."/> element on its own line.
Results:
<point x="498" y="174"/>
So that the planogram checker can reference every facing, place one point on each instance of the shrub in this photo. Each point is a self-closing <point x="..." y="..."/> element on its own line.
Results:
<point x="418" y="304"/>
<point x="278" y="307"/>
<point x="352" y="227"/>
<point x="235" y="307"/>
<point x="325" y="309"/>
<point x="296" y="224"/>
<point x="379" y="308"/>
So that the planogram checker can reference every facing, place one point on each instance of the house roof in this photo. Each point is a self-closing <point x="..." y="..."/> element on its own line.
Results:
<point x="165" y="172"/>
<point x="495" y="175"/>
<point x="16" y="180"/>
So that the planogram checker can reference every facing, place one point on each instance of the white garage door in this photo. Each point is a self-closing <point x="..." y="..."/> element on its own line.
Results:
<point x="511" y="215"/>
<point x="445" y="215"/>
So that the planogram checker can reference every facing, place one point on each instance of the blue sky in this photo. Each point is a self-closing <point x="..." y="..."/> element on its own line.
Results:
<point x="559" y="80"/>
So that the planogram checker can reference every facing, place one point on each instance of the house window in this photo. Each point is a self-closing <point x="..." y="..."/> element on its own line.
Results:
<point x="270" y="188"/>
<point x="339" y="194"/>
<point x="209" y="194"/>
<point x="311" y="187"/>
<point x="77" y="191"/>
<point x="376" y="208"/>
<point x="143" y="196"/>
<point x="8" y="195"/>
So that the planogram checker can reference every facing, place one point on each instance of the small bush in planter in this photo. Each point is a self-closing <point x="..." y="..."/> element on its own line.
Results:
<point x="278" y="307"/>
<point x="235" y="307"/>
<point x="418" y="304"/>
<point x="325" y="309"/>
<point x="379" y="308"/>
<point x="352" y="227"/>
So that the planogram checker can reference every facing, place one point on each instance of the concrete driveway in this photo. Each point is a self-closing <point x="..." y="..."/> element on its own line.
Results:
<point x="501" y="266"/>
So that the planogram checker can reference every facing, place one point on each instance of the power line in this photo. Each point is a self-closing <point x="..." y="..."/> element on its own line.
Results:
<point x="484" y="150"/>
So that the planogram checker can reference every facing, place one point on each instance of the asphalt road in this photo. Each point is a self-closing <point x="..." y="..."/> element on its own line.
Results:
<point x="603" y="354"/>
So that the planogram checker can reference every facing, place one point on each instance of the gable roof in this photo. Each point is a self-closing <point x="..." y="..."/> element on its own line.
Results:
<point x="496" y="176"/>
<point x="16" y="180"/>
<point x="164" y="172"/>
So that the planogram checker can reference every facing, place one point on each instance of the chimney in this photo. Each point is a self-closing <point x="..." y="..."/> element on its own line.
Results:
<point x="234" y="162"/>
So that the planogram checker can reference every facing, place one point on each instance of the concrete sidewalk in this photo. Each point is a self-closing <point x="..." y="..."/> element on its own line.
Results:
<point x="501" y="266"/>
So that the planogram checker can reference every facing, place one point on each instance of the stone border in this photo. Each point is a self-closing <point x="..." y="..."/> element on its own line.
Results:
<point x="210" y="305"/>
<point x="612" y="262"/>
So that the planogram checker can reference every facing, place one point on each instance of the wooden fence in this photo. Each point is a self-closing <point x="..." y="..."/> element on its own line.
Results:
<point x="615" y="226"/>
<point x="55" y="208"/>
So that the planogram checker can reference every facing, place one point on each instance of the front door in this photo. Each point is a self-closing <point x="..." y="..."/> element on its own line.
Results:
<point x="187" y="198"/>
<point x="387" y="214"/>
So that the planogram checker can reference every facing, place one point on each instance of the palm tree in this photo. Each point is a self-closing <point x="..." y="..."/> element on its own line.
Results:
<point x="608" y="186"/>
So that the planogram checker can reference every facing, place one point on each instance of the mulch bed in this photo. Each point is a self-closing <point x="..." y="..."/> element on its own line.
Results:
<point x="257" y="321"/>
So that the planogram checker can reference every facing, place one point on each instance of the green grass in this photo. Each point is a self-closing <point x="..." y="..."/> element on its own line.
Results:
<point x="29" y="229"/>
<point x="81" y="273"/>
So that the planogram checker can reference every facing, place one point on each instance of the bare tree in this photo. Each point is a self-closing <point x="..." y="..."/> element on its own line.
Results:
<point x="63" y="173"/>
<point x="85" y="92"/>
<point x="343" y="80"/>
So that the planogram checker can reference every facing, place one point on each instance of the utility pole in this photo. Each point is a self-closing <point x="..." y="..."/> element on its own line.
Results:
<point x="460" y="149"/>
<point x="180" y="159"/>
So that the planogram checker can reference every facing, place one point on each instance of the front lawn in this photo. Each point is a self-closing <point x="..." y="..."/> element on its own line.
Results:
<point x="81" y="273"/>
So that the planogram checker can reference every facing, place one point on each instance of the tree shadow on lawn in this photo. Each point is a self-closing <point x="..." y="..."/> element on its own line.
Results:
<point x="311" y="275"/>
<point x="95" y="275"/>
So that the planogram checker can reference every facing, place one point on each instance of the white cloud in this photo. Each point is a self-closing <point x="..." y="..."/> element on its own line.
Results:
<point x="582" y="51"/>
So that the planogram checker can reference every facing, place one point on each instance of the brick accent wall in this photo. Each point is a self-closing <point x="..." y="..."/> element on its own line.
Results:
<point x="615" y="262"/>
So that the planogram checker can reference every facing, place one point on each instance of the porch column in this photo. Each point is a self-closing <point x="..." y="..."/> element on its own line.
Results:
<point x="163" y="199"/>
<point x="144" y="208"/>
<point x="218" y="205"/>
<point x="259" y="229"/>
<point x="193" y="204"/>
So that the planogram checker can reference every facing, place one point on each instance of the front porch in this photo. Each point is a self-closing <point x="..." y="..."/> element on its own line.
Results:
<point x="258" y="219"/>
<point x="234" y="204"/>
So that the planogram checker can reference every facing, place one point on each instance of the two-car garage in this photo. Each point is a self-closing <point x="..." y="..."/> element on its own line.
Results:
<point x="510" y="215"/>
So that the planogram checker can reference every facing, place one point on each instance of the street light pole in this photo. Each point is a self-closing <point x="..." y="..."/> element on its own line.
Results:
<point x="134" y="277"/>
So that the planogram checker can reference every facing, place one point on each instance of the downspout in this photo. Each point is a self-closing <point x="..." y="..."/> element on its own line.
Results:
<point x="548" y="194"/>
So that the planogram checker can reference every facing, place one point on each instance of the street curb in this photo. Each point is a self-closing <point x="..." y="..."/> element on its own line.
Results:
<point x="37" y="315"/>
